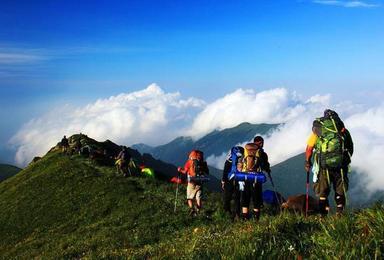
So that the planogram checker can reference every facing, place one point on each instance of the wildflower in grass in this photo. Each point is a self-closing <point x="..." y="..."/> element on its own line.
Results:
<point x="291" y="248"/>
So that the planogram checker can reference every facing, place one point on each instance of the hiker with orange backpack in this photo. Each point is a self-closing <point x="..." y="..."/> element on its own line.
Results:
<point x="196" y="170"/>
<point x="255" y="160"/>
<point x="332" y="146"/>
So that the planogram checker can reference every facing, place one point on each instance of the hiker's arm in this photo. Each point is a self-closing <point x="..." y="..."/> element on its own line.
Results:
<point x="348" y="142"/>
<point x="227" y="169"/>
<point x="309" y="151"/>
<point x="266" y="165"/>
<point x="186" y="167"/>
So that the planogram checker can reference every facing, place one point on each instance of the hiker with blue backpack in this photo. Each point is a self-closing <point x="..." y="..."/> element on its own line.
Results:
<point x="229" y="184"/>
<point x="328" y="153"/>
<point x="255" y="161"/>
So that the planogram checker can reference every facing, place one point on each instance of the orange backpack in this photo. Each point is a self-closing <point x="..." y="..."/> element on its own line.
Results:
<point x="251" y="157"/>
<point x="198" y="166"/>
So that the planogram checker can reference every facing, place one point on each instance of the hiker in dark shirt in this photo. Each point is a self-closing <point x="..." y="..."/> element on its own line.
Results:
<point x="122" y="161"/>
<point x="64" y="144"/>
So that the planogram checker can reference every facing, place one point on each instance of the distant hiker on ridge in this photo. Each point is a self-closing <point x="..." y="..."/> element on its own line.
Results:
<point x="122" y="161"/>
<point x="255" y="160"/>
<point x="332" y="146"/>
<point x="195" y="168"/>
<point x="64" y="144"/>
<point x="228" y="183"/>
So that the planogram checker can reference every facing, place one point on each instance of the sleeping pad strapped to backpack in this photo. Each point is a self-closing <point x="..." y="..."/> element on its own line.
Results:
<point x="250" y="160"/>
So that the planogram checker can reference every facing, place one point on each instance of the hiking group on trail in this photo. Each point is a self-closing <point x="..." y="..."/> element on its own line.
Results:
<point x="328" y="155"/>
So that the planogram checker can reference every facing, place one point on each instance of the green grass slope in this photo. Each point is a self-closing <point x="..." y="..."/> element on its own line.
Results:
<point x="71" y="207"/>
<point x="7" y="171"/>
<point x="65" y="206"/>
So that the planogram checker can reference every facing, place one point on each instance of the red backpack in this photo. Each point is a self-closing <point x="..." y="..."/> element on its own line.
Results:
<point x="198" y="165"/>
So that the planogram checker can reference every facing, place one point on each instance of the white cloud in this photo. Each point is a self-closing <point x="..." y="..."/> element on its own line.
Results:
<point x="271" y="106"/>
<point x="150" y="116"/>
<point x="367" y="130"/>
<point x="347" y="4"/>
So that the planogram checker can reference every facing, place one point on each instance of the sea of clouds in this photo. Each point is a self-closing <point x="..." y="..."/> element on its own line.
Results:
<point x="154" y="117"/>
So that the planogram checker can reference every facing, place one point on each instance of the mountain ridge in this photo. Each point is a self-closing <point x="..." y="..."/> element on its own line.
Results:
<point x="214" y="143"/>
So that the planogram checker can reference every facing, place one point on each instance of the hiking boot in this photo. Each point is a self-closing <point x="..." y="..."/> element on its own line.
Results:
<point x="245" y="216"/>
<point x="192" y="212"/>
<point x="256" y="215"/>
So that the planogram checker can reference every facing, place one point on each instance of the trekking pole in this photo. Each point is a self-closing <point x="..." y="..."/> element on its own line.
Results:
<point x="307" y="196"/>
<point x="274" y="190"/>
<point x="177" y="191"/>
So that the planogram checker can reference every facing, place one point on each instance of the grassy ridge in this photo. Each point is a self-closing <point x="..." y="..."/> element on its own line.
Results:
<point x="65" y="206"/>
<point x="69" y="207"/>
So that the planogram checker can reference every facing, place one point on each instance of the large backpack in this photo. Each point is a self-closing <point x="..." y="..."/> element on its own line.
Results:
<point x="251" y="157"/>
<point x="330" y="144"/>
<point x="198" y="165"/>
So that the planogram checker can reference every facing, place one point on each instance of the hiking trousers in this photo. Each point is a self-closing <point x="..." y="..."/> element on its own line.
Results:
<point x="338" y="178"/>
<point x="252" y="191"/>
<point x="231" y="191"/>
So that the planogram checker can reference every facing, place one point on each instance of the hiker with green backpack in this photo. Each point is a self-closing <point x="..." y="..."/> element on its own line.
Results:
<point x="331" y="147"/>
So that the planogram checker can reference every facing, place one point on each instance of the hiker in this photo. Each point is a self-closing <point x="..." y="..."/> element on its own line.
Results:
<point x="332" y="146"/>
<point x="77" y="146"/>
<point x="255" y="160"/>
<point x="195" y="168"/>
<point x="228" y="183"/>
<point x="64" y="144"/>
<point x="122" y="161"/>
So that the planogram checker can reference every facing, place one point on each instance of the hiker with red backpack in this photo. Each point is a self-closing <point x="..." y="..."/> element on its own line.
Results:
<point x="196" y="170"/>
<point x="332" y="146"/>
<point x="255" y="160"/>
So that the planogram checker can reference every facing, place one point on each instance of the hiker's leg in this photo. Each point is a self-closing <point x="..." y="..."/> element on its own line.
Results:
<point x="190" y="197"/>
<point x="324" y="190"/>
<point x="340" y="186"/>
<point x="227" y="196"/>
<point x="198" y="197"/>
<point x="257" y="200"/>
<point x="246" y="199"/>
<point x="237" y="198"/>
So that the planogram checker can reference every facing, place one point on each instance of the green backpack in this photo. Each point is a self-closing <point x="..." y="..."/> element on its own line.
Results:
<point x="330" y="144"/>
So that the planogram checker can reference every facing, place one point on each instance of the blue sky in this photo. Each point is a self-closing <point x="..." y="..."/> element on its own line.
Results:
<point x="58" y="52"/>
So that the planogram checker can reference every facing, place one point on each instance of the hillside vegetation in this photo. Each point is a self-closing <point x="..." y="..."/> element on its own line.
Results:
<point x="72" y="207"/>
